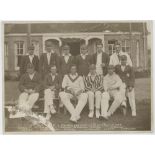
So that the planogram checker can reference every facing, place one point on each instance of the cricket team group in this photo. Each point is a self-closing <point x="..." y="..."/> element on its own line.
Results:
<point x="103" y="82"/>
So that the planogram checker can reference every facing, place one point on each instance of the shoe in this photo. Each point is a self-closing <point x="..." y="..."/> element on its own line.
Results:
<point x="91" y="114"/>
<point x="73" y="119"/>
<point x="133" y="113"/>
<point x="53" y="111"/>
<point x="103" y="117"/>
<point x="97" y="114"/>
<point x="78" y="117"/>
<point x="19" y="114"/>
<point x="48" y="116"/>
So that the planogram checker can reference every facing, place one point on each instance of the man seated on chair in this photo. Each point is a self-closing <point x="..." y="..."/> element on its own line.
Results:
<point x="73" y="86"/>
<point x="94" y="88"/>
<point x="29" y="86"/>
<point x="112" y="85"/>
<point x="51" y="86"/>
<point x="126" y="73"/>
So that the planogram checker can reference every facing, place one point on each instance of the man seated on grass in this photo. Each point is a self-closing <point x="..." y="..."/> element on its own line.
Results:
<point x="73" y="86"/>
<point x="29" y="86"/>
<point x="127" y="75"/>
<point x="52" y="86"/>
<point x="112" y="86"/>
<point x="94" y="88"/>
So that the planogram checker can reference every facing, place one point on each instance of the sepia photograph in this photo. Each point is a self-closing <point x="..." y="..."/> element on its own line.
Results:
<point x="77" y="77"/>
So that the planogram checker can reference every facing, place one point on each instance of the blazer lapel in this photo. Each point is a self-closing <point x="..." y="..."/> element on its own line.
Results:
<point x="33" y="60"/>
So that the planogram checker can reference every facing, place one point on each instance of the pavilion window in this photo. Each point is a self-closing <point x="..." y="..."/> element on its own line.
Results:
<point x="111" y="47"/>
<point x="19" y="52"/>
<point x="6" y="55"/>
<point x="126" y="46"/>
<point x="137" y="54"/>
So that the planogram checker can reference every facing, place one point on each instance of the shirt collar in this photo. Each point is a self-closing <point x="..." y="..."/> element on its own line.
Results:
<point x="84" y="54"/>
<point x="99" y="53"/>
<point x="53" y="75"/>
<point x="31" y="55"/>
<point x="74" y="74"/>
<point x="66" y="55"/>
<point x="89" y="74"/>
<point x="31" y="74"/>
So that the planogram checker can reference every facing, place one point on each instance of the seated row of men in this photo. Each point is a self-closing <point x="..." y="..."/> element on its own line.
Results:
<point x="95" y="88"/>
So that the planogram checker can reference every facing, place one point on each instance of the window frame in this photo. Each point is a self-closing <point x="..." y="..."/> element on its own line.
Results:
<point x="18" y="54"/>
<point x="6" y="54"/>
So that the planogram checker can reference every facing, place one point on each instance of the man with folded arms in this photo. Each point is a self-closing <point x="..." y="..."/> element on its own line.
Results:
<point x="94" y="88"/>
<point x="73" y="86"/>
<point x="112" y="85"/>
<point x="29" y="86"/>
<point x="52" y="86"/>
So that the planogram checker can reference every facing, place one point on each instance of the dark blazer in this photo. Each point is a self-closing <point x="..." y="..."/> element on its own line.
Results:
<point x="48" y="82"/>
<point x="44" y="67"/>
<point x="83" y="64"/>
<point x="105" y="60"/>
<point x="65" y="67"/>
<point x="25" y="60"/>
<point x="26" y="83"/>
<point x="127" y="76"/>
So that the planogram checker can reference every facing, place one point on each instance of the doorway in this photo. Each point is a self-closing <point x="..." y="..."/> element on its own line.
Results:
<point x="74" y="48"/>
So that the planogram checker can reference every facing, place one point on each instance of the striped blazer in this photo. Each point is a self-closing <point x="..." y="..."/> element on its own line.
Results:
<point x="97" y="84"/>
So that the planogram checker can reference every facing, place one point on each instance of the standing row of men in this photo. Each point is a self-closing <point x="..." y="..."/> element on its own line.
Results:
<point x="94" y="78"/>
<point x="82" y="61"/>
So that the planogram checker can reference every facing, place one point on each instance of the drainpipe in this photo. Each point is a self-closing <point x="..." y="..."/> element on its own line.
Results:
<point x="28" y="35"/>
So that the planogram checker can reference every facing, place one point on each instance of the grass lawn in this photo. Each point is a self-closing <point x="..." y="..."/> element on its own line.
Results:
<point x="61" y="122"/>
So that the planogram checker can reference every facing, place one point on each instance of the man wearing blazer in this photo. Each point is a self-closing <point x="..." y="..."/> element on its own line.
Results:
<point x="83" y="61"/>
<point x="29" y="87"/>
<point x="52" y="86"/>
<point x="47" y="59"/>
<point x="100" y="59"/>
<point x="65" y="61"/>
<point x="127" y="76"/>
<point x="30" y="58"/>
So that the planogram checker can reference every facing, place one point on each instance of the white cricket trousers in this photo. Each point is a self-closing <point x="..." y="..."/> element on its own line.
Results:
<point x="130" y="95"/>
<point x="94" y="97"/>
<point x="48" y="96"/>
<point x="106" y="96"/>
<point x="82" y="101"/>
<point x="26" y="101"/>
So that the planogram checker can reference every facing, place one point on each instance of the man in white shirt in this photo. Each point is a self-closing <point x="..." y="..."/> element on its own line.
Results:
<point x="112" y="85"/>
<point x="73" y="86"/>
<point x="115" y="57"/>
